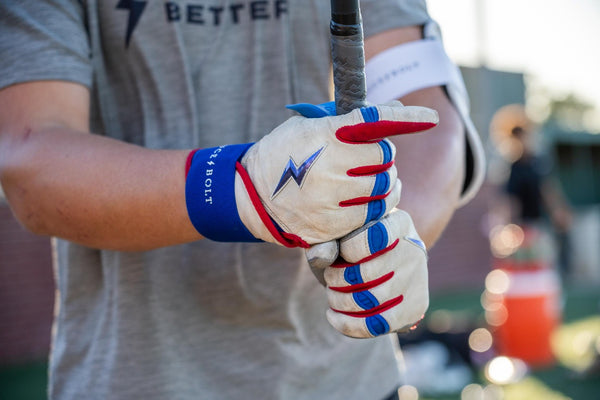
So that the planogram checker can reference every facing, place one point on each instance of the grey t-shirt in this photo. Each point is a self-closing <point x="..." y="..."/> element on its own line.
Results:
<point x="204" y="320"/>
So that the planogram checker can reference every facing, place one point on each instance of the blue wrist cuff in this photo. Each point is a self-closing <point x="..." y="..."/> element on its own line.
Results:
<point x="210" y="194"/>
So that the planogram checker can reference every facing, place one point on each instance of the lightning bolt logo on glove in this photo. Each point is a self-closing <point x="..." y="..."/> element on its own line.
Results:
<point x="296" y="173"/>
<point x="347" y="177"/>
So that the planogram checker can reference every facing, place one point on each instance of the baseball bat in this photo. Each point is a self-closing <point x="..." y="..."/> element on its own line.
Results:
<point x="348" y="58"/>
<point x="348" y="55"/>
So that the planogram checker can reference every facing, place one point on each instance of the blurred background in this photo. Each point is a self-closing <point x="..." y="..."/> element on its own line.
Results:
<point x="515" y="279"/>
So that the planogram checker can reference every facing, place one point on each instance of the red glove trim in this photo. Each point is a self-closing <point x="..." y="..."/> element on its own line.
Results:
<point x="363" y="286"/>
<point x="188" y="161"/>
<point x="357" y="201"/>
<point x="373" y="311"/>
<point x="372" y="132"/>
<point x="369" y="169"/>
<point x="344" y="264"/>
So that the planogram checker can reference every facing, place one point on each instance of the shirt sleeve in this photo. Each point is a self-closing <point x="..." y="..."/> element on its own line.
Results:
<point x="43" y="40"/>
<point x="382" y="15"/>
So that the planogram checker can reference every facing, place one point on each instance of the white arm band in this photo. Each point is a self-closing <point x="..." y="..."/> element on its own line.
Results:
<point x="403" y="69"/>
<point x="406" y="68"/>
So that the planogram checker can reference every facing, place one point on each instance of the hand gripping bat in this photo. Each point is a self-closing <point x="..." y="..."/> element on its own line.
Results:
<point x="348" y="59"/>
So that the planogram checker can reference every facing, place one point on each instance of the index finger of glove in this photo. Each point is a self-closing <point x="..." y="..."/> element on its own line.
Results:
<point x="387" y="120"/>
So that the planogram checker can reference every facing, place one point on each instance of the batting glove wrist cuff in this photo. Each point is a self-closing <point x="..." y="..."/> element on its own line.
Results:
<point x="210" y="193"/>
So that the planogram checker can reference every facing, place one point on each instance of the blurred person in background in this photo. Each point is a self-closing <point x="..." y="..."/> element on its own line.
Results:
<point x="536" y="199"/>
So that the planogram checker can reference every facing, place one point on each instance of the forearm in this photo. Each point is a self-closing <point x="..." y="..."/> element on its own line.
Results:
<point x="95" y="191"/>
<point x="431" y="166"/>
<point x="62" y="181"/>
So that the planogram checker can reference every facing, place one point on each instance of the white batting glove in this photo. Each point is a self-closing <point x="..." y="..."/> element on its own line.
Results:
<point x="383" y="286"/>
<point x="309" y="181"/>
<point x="321" y="178"/>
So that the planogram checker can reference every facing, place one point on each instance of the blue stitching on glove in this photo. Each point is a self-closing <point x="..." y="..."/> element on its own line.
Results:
<point x="365" y="299"/>
<point x="352" y="275"/>
<point x="377" y="236"/>
<point x="370" y="114"/>
<point x="377" y="325"/>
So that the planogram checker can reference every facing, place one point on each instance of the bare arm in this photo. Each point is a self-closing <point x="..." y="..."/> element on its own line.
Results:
<point x="62" y="181"/>
<point x="430" y="164"/>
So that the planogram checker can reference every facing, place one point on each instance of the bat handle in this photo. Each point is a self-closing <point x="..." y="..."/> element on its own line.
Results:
<point x="348" y="56"/>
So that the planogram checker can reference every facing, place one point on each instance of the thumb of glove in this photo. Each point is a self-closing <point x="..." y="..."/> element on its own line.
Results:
<point x="321" y="256"/>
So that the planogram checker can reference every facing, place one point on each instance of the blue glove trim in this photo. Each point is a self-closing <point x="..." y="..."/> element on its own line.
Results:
<point x="377" y="237"/>
<point x="417" y="242"/>
<point x="382" y="184"/>
<point x="365" y="299"/>
<point x="375" y="210"/>
<point x="313" y="110"/>
<point x="370" y="114"/>
<point x="387" y="151"/>
<point x="377" y="325"/>
<point x="352" y="275"/>
<point x="210" y="194"/>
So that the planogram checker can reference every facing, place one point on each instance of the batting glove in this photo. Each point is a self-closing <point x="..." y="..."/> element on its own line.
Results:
<point x="310" y="180"/>
<point x="383" y="286"/>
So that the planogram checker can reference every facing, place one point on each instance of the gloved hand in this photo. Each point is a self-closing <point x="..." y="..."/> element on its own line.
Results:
<point x="383" y="286"/>
<point x="310" y="180"/>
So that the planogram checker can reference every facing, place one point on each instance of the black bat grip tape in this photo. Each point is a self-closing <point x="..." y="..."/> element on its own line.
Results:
<point x="348" y="58"/>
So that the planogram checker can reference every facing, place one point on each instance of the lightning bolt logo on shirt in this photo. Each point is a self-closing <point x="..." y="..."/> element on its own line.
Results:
<point x="297" y="173"/>
<point x="136" y="8"/>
